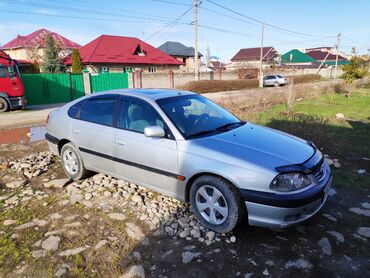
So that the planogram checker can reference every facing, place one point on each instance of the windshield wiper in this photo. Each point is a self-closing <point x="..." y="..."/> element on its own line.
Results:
<point x="230" y="124"/>
<point x="200" y="133"/>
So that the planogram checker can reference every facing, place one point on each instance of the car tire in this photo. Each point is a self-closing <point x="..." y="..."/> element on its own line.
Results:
<point x="72" y="163"/>
<point x="225" y="214"/>
<point x="276" y="84"/>
<point x="4" y="105"/>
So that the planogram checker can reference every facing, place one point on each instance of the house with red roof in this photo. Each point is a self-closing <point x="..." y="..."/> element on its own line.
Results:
<point x="250" y="58"/>
<point x="31" y="47"/>
<point x="123" y="54"/>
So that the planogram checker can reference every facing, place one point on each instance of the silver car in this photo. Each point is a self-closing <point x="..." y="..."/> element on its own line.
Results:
<point x="274" y="80"/>
<point x="183" y="145"/>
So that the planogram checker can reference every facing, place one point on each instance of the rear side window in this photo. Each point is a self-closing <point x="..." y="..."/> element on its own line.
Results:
<point x="98" y="110"/>
<point x="74" y="110"/>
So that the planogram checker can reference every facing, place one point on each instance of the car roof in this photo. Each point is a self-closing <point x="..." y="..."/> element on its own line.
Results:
<point x="149" y="93"/>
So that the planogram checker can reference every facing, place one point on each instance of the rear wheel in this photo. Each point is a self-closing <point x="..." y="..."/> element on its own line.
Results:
<point x="72" y="163"/>
<point x="276" y="84"/>
<point x="4" y="105"/>
<point x="216" y="203"/>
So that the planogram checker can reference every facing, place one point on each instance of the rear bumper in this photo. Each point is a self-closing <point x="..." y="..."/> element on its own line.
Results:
<point x="285" y="210"/>
<point x="17" y="102"/>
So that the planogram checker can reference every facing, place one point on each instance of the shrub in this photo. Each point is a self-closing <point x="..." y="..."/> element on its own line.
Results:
<point x="77" y="65"/>
<point x="357" y="69"/>
<point x="211" y="86"/>
<point x="304" y="78"/>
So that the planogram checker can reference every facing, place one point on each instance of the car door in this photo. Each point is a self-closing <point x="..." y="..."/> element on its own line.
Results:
<point x="268" y="80"/>
<point x="93" y="132"/>
<point x="145" y="160"/>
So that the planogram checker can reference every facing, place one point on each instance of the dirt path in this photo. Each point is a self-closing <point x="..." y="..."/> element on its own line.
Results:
<point x="102" y="227"/>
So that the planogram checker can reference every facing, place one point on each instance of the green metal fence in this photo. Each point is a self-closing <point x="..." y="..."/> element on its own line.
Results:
<point x="48" y="88"/>
<point x="108" y="81"/>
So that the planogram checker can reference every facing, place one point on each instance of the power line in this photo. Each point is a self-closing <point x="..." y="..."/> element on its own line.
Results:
<point x="265" y="23"/>
<point x="73" y="9"/>
<point x="171" y="24"/>
<point x="172" y="2"/>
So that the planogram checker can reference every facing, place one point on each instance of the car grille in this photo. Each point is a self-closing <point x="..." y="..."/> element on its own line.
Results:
<point x="320" y="172"/>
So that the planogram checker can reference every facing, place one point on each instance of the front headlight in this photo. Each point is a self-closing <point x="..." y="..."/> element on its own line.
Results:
<point x="290" y="182"/>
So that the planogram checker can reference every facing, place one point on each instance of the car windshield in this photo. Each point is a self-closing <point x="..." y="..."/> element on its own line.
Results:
<point x="279" y="76"/>
<point x="196" y="116"/>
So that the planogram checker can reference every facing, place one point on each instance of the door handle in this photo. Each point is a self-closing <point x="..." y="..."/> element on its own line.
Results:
<point x="119" y="142"/>
<point x="76" y="131"/>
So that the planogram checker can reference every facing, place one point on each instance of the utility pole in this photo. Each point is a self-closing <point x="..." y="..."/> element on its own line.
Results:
<point x="196" y="65"/>
<point x="336" y="58"/>
<point x="261" y="59"/>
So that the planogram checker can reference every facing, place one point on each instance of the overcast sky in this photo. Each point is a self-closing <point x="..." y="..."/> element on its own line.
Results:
<point x="318" y="22"/>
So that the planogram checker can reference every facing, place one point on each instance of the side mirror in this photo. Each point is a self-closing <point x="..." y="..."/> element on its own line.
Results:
<point x="154" y="131"/>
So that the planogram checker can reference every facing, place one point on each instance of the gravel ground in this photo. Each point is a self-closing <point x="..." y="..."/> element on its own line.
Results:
<point x="104" y="227"/>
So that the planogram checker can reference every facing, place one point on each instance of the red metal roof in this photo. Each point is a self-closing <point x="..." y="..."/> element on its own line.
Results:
<point x="320" y="55"/>
<point x="121" y="50"/>
<point x="38" y="39"/>
<point x="254" y="53"/>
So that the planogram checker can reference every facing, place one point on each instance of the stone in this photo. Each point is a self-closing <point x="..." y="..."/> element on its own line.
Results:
<point x="11" y="200"/>
<point x="107" y="194"/>
<point x="336" y="165"/>
<point x="55" y="216"/>
<point x="365" y="205"/>
<point x="134" y="232"/>
<point x="364" y="231"/>
<point x="63" y="269"/>
<point x="338" y="236"/>
<point x="40" y="223"/>
<point x="233" y="239"/>
<point x="210" y="235"/>
<point x="9" y="222"/>
<point x="137" y="199"/>
<point x="56" y="183"/>
<point x="55" y="232"/>
<point x="299" y="264"/>
<point x="87" y="203"/>
<point x="25" y="226"/>
<point x="72" y="225"/>
<point x="188" y="256"/>
<point x="117" y="216"/>
<point x="38" y="253"/>
<point x="266" y="272"/>
<point x="325" y="245"/>
<point x="71" y="252"/>
<point x="100" y="244"/>
<point x="136" y="271"/>
<point x="360" y="211"/>
<point x="16" y="184"/>
<point x="51" y="243"/>
<point x="184" y="234"/>
<point x="136" y="255"/>
<point x="88" y="196"/>
<point x="339" y="116"/>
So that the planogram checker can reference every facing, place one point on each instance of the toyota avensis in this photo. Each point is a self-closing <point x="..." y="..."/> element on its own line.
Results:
<point x="183" y="145"/>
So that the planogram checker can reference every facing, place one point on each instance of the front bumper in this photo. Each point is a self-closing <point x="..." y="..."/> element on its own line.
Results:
<point x="17" y="102"/>
<point x="285" y="210"/>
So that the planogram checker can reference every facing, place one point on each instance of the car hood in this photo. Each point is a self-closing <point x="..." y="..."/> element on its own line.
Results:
<point x="254" y="144"/>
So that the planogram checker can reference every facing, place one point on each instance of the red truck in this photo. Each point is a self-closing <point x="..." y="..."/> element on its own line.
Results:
<point x="11" y="86"/>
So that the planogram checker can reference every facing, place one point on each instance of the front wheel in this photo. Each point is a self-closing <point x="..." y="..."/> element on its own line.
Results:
<point x="216" y="203"/>
<point x="72" y="163"/>
<point x="4" y="105"/>
<point x="276" y="84"/>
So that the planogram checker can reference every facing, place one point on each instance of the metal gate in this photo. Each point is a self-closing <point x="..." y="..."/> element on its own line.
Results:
<point x="108" y="81"/>
<point x="49" y="88"/>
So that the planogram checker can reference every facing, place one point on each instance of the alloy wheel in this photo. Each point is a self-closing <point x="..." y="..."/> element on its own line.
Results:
<point x="211" y="204"/>
<point x="70" y="162"/>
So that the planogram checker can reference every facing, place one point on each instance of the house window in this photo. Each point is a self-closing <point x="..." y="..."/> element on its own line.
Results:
<point x="152" y="69"/>
<point x="127" y="69"/>
<point x="104" y="69"/>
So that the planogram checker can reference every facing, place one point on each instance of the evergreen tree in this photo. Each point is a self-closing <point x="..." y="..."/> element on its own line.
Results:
<point x="52" y="62"/>
<point x="77" y="65"/>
